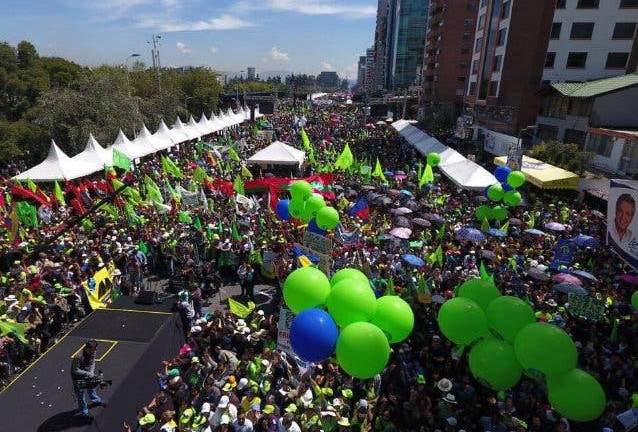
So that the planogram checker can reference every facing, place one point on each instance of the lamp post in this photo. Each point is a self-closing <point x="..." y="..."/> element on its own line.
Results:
<point x="128" y="84"/>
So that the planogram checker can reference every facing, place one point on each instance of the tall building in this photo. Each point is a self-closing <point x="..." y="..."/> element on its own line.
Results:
<point x="510" y="43"/>
<point x="250" y="70"/>
<point x="370" y="70"/>
<point x="406" y="31"/>
<point x="381" y="45"/>
<point x="592" y="39"/>
<point x="448" y="52"/>
<point x="361" y="72"/>
<point x="328" y="79"/>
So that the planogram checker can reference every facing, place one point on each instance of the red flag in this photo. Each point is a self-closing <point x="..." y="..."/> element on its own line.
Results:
<point x="20" y="192"/>
<point x="77" y="206"/>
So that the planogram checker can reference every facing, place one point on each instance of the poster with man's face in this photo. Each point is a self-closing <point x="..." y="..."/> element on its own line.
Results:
<point x="622" y="221"/>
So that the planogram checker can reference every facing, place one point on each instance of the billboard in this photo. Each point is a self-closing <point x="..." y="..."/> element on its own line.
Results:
<point x="622" y="221"/>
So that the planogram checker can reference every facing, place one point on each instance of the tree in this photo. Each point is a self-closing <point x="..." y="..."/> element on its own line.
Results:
<point x="27" y="54"/>
<point x="201" y="89"/>
<point x="568" y="156"/>
<point x="8" y="57"/>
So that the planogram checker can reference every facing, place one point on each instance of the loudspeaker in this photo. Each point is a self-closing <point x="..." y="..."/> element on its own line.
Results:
<point x="146" y="297"/>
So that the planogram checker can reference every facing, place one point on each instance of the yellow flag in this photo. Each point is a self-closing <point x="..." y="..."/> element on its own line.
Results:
<point x="239" y="309"/>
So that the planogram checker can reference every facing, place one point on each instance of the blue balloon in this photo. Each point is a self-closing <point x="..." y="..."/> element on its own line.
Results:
<point x="313" y="228"/>
<point x="282" y="209"/>
<point x="313" y="335"/>
<point x="506" y="187"/>
<point x="501" y="173"/>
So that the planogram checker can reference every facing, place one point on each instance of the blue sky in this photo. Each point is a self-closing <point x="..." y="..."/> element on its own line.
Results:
<point x="296" y="35"/>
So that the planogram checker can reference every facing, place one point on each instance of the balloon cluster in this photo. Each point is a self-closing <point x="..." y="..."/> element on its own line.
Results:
<point x="368" y="325"/>
<point x="506" y="341"/>
<point x="307" y="207"/>
<point x="504" y="191"/>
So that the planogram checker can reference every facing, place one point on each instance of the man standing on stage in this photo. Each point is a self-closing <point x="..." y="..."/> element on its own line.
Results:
<point x="84" y="377"/>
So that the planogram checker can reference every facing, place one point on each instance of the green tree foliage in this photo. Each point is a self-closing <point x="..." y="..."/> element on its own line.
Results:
<point x="568" y="156"/>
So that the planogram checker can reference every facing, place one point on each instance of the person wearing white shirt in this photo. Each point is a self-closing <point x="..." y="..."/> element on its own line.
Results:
<point x="619" y="232"/>
<point x="287" y="424"/>
<point x="242" y="424"/>
<point x="224" y="407"/>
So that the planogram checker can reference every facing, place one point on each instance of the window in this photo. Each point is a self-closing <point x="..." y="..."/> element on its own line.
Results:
<point x="616" y="60"/>
<point x="582" y="31"/>
<point x="549" y="59"/>
<point x="493" y="89"/>
<point x="624" y="30"/>
<point x="602" y="145"/>
<point x="472" y="88"/>
<point x="505" y="11"/>
<point x="574" y="136"/>
<point x="555" y="33"/>
<point x="587" y="4"/>
<point x="477" y="45"/>
<point x="498" y="61"/>
<point x="546" y="132"/>
<point x="576" y="60"/>
<point x="560" y="4"/>
<point x="481" y="22"/>
<point x="475" y="66"/>
<point x="628" y="4"/>
<point x="502" y="37"/>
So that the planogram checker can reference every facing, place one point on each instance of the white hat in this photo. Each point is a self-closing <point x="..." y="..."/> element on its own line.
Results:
<point x="306" y="398"/>
<point x="223" y="402"/>
<point x="260" y="312"/>
<point x="449" y="397"/>
<point x="242" y="383"/>
<point x="10" y="298"/>
<point x="224" y="420"/>
<point x="205" y="407"/>
<point x="445" y="385"/>
<point x="337" y="402"/>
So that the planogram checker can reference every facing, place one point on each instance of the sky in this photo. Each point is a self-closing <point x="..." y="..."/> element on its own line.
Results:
<point x="303" y="36"/>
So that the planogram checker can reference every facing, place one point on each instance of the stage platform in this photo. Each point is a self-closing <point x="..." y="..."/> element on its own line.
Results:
<point x="132" y="342"/>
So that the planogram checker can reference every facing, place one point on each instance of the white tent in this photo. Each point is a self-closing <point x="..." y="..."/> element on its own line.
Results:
<point x="204" y="125"/>
<point x="164" y="137"/>
<point x="124" y="145"/>
<point x="192" y="126"/>
<point x="246" y="112"/>
<point x="463" y="172"/>
<point x="257" y="113"/>
<point x="278" y="153"/>
<point x="57" y="166"/>
<point x="94" y="155"/>
<point x="217" y="123"/>
<point x="146" y="143"/>
<point x="181" y="128"/>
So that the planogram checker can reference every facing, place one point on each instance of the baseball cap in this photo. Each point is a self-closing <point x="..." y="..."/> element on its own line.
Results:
<point x="148" y="419"/>
<point x="291" y="408"/>
<point x="268" y="409"/>
<point x="223" y="402"/>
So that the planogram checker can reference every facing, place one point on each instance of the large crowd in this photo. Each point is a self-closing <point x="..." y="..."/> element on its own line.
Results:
<point x="230" y="376"/>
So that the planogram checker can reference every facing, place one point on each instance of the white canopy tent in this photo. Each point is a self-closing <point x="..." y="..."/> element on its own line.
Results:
<point x="56" y="166"/>
<point x="278" y="153"/>
<point x="205" y="125"/>
<point x="194" y="128"/>
<point x="94" y="155"/>
<point x="216" y="122"/>
<point x="165" y="137"/>
<point x="124" y="145"/>
<point x="146" y="143"/>
<point x="463" y="172"/>
<point x="183" y="129"/>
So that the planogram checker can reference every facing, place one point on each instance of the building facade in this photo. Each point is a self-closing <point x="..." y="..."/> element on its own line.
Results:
<point x="361" y="72"/>
<point x="448" y="52"/>
<point x="251" y="73"/>
<point x="370" y="71"/>
<point x="592" y="39"/>
<point x="328" y="80"/>
<point x="381" y="46"/>
<point x="407" y="33"/>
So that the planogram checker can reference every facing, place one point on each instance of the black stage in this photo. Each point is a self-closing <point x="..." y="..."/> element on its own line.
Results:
<point x="132" y="342"/>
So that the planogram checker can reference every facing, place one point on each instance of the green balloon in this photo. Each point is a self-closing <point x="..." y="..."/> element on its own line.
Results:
<point x="495" y="192"/>
<point x="305" y="288"/>
<point x="351" y="300"/>
<point x="507" y="315"/>
<point x="576" y="395"/>
<point x="362" y="350"/>
<point x="545" y="349"/>
<point x="348" y="273"/>
<point x="300" y="189"/>
<point x="327" y="218"/>
<point x="296" y="208"/>
<point x="499" y="213"/>
<point x="516" y="179"/>
<point x="493" y="363"/>
<point x="634" y="299"/>
<point x="305" y="215"/>
<point x="434" y="159"/>
<point x="479" y="290"/>
<point x="313" y="204"/>
<point x="512" y="198"/>
<point x="482" y="212"/>
<point x="462" y="321"/>
<point x="395" y="317"/>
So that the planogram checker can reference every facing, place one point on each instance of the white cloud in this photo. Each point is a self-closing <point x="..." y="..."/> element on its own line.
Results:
<point x="213" y="50"/>
<point x="183" y="48"/>
<point x="278" y="56"/>
<point x="326" y="66"/>
<point x="222" y="22"/>
<point x="349" y="72"/>
<point x="324" y="7"/>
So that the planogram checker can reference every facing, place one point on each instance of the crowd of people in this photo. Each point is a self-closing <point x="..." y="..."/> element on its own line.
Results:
<point x="230" y="374"/>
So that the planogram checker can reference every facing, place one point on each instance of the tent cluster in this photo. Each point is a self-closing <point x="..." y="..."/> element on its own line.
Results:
<point x="94" y="158"/>
<point x="463" y="172"/>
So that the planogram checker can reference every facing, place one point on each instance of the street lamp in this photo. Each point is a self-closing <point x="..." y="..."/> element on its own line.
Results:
<point x="126" y="68"/>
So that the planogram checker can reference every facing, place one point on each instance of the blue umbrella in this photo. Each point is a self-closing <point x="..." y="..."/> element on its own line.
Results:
<point x="496" y="232"/>
<point x="568" y="288"/>
<point x="470" y="234"/>
<point x="406" y="192"/>
<point x="388" y="173"/>
<point x="534" y="231"/>
<point x="413" y="260"/>
<point x="585" y="275"/>
<point x="585" y="241"/>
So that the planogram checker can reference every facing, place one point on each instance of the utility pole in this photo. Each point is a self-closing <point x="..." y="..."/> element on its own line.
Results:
<point x="156" y="59"/>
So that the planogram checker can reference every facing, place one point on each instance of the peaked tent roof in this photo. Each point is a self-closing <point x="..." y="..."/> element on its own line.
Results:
<point x="146" y="143"/>
<point x="56" y="166"/>
<point x="181" y="129"/>
<point x="217" y="123"/>
<point x="205" y="124"/>
<point x="164" y="136"/>
<point x="124" y="145"/>
<point x="94" y="154"/>
<point x="598" y="87"/>
<point x="194" y="128"/>
<point x="278" y="153"/>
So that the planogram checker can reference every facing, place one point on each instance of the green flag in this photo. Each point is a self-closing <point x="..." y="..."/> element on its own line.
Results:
<point x="531" y="221"/>
<point x="120" y="160"/>
<point x="441" y="232"/>
<point x="110" y="209"/>
<point x="305" y="141"/>
<point x="31" y="185"/>
<point x="427" y="176"/>
<point x="232" y="154"/>
<point x="238" y="185"/>
<point x="142" y="246"/>
<point x="15" y="329"/>
<point x="184" y="217"/>
<point x="436" y="257"/>
<point x="485" y="275"/>
<point x="512" y="262"/>
<point x="169" y="167"/>
<point x="390" y="288"/>
<point x="419" y="170"/>
<point x="197" y="224"/>
<point x="153" y="192"/>
<point x="485" y="225"/>
<point x="171" y="190"/>
<point x="57" y="192"/>
<point x="87" y="225"/>
<point x="199" y="147"/>
<point x="505" y="227"/>
<point x="131" y="194"/>
<point x="345" y="159"/>
<point x="235" y="232"/>
<point x="131" y="216"/>
<point x="378" y="172"/>
<point x="199" y="175"/>
<point x="245" y="172"/>
<point x="27" y="214"/>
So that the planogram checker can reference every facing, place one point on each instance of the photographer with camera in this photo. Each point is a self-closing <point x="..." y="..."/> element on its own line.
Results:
<point x="85" y="379"/>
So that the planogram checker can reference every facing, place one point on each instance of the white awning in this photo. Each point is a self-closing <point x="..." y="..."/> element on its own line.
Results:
<point x="181" y="128"/>
<point x="165" y="137"/>
<point x="124" y="145"/>
<point x="278" y="153"/>
<point x="205" y="125"/>
<point x="94" y="155"/>
<point x="146" y="143"/>
<point x="194" y="128"/>
<point x="56" y="166"/>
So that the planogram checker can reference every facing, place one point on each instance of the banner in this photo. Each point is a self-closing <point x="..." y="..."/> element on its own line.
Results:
<point x="98" y="288"/>
<point x="587" y="307"/>
<point x="317" y="242"/>
<point x="268" y="268"/>
<point x="563" y="253"/>
<point x="622" y="225"/>
<point x="325" y="261"/>
<point x="283" y="338"/>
